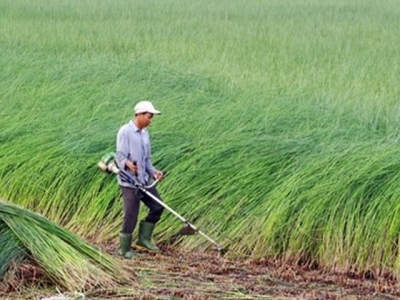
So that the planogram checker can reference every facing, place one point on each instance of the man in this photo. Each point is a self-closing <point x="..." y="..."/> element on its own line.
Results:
<point x="133" y="154"/>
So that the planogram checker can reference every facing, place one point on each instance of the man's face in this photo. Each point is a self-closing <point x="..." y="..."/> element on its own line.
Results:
<point x="144" y="120"/>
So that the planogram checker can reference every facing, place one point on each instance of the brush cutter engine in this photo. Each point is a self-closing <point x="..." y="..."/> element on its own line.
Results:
<point x="107" y="163"/>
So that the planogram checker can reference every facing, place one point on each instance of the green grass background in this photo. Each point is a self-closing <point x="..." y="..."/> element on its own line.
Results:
<point x="279" y="131"/>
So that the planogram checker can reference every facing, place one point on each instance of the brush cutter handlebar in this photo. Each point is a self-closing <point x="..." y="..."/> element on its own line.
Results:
<point x="128" y="177"/>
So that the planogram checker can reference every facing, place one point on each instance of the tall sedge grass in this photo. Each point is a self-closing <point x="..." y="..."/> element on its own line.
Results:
<point x="279" y="130"/>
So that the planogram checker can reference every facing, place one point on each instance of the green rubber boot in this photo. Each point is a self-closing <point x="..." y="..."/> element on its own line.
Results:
<point x="145" y="232"/>
<point x="125" y="240"/>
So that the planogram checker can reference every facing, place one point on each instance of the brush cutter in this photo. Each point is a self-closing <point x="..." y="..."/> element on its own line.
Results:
<point x="107" y="164"/>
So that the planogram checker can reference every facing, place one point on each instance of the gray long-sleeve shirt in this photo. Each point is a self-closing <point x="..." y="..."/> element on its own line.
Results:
<point x="134" y="144"/>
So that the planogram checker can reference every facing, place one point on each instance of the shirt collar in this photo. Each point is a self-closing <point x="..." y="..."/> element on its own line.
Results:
<point x="135" y="128"/>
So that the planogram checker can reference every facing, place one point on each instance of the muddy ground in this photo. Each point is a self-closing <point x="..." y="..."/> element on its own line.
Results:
<point x="179" y="275"/>
<point x="211" y="276"/>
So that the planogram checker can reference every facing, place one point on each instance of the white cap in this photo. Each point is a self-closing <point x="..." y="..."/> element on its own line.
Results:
<point x="145" y="106"/>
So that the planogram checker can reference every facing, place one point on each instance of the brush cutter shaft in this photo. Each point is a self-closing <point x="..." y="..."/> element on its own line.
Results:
<point x="107" y="164"/>
<point x="219" y="247"/>
<point x="163" y="204"/>
<point x="180" y="217"/>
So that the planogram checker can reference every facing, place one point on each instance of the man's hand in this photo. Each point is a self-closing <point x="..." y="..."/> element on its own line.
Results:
<point x="132" y="167"/>
<point x="158" y="175"/>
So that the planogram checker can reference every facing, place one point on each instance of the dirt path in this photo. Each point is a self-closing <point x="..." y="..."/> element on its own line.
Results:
<point x="203" y="276"/>
<point x="176" y="275"/>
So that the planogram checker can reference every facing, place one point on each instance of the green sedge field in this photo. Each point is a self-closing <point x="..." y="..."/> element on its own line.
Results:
<point x="279" y="135"/>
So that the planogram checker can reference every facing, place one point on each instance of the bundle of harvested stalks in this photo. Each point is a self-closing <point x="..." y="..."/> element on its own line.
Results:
<point x="65" y="259"/>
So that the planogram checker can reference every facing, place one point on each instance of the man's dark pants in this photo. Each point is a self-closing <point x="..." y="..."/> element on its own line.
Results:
<point x="131" y="198"/>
